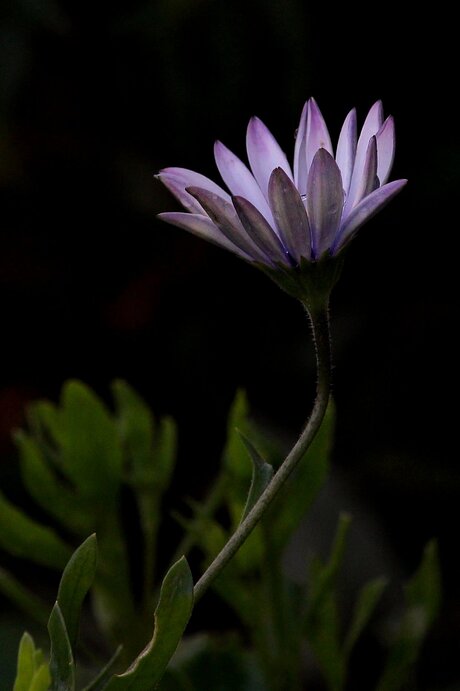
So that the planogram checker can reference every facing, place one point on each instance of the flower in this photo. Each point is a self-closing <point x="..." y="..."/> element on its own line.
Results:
<point x="278" y="217"/>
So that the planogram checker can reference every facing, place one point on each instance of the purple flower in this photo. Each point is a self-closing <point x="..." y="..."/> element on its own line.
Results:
<point x="281" y="217"/>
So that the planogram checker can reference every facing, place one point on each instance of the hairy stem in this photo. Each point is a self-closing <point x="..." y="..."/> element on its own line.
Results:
<point x="320" y="325"/>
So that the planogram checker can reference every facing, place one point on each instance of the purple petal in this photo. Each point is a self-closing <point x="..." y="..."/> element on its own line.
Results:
<point x="385" y="149"/>
<point x="371" y="126"/>
<point x="258" y="229"/>
<point x="203" y="227"/>
<point x="239" y="179"/>
<point x="264" y="154"/>
<point x="177" y="179"/>
<point x="369" y="180"/>
<point x="317" y="136"/>
<point x="367" y="208"/>
<point x="290" y="215"/>
<point x="346" y="149"/>
<point x="300" y="156"/>
<point x="225" y="218"/>
<point x="324" y="201"/>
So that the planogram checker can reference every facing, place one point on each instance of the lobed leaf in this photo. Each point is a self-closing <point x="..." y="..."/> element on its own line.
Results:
<point x="43" y="485"/>
<point x="24" y="537"/>
<point x="76" y="580"/>
<point x="262" y="474"/>
<point x="171" y="617"/>
<point x="62" y="665"/>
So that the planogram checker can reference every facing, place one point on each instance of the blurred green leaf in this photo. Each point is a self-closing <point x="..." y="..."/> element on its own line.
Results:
<point x="164" y="451"/>
<point x="363" y="610"/>
<point x="26" y="663"/>
<point x="136" y="428"/>
<point x="171" y="617"/>
<point x="100" y="682"/>
<point x="49" y="493"/>
<point x="32" y="673"/>
<point x="423" y="598"/>
<point x="302" y="488"/>
<point x="23" y="598"/>
<point x="321" y="623"/>
<point x="62" y="665"/>
<point x="262" y="474"/>
<point x="23" y="537"/>
<point x="41" y="680"/>
<point x="323" y="577"/>
<point x="150" y="446"/>
<point x="76" y="580"/>
<point x="215" y="663"/>
<point x="90" y="452"/>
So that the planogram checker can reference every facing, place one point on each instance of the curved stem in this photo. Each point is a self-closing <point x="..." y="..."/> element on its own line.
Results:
<point x="320" y="325"/>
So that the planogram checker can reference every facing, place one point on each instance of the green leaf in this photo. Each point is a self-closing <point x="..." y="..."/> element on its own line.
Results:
<point x="62" y="665"/>
<point x="363" y="610"/>
<point x="423" y="597"/>
<point x="321" y="623"/>
<point x="136" y="428"/>
<point x="42" y="484"/>
<point x="23" y="537"/>
<point x="26" y="663"/>
<point x="262" y="474"/>
<point x="89" y="448"/>
<point x="76" y="580"/>
<point x="41" y="680"/>
<point x="151" y="448"/>
<point x="302" y="488"/>
<point x="99" y="683"/>
<point x="23" y="598"/>
<point x="323" y="581"/>
<point x="171" y="617"/>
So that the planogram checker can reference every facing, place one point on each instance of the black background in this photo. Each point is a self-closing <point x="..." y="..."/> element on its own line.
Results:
<point x="94" y="100"/>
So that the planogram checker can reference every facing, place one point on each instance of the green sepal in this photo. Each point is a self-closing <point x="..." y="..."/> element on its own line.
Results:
<point x="262" y="473"/>
<point x="62" y="666"/>
<point x="171" y="617"/>
<point x="311" y="282"/>
<point x="76" y="580"/>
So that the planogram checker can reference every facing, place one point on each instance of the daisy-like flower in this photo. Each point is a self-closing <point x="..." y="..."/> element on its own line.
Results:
<point x="281" y="217"/>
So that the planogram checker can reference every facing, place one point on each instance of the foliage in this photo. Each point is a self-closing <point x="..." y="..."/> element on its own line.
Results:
<point x="75" y="459"/>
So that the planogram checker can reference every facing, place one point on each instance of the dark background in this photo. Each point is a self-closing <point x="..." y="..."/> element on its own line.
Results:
<point x="94" y="100"/>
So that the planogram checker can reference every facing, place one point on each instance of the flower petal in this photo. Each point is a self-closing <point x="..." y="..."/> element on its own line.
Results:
<point x="346" y="149"/>
<point x="202" y="227"/>
<point x="177" y="179"/>
<point x="290" y="215"/>
<point x="367" y="208"/>
<point x="324" y="201"/>
<point x="239" y="179"/>
<point x="369" y="180"/>
<point x="371" y="126"/>
<point x="258" y="229"/>
<point x="385" y="149"/>
<point x="264" y="153"/>
<point x="300" y="156"/>
<point x="317" y="136"/>
<point x="225" y="218"/>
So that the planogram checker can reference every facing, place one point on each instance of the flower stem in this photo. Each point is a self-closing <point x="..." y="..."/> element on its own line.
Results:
<point x="319" y="319"/>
